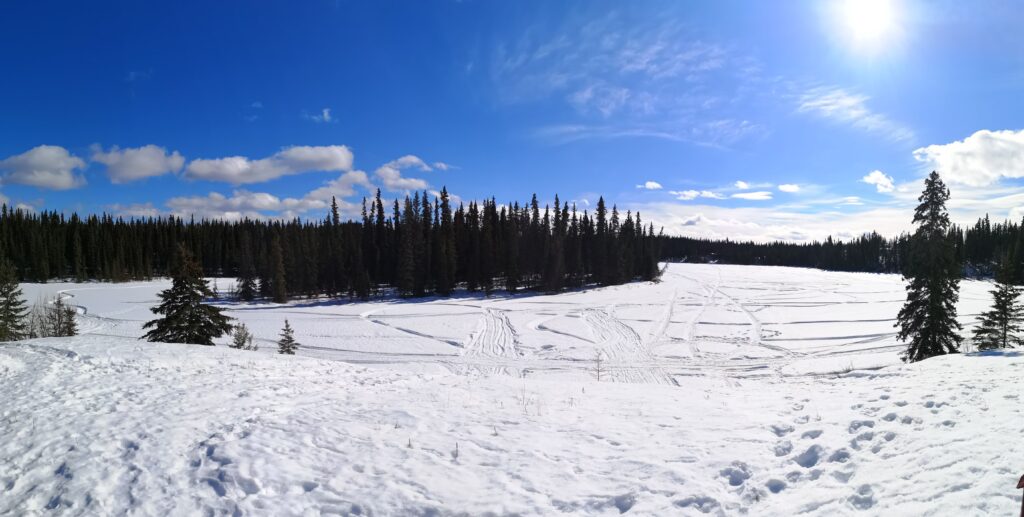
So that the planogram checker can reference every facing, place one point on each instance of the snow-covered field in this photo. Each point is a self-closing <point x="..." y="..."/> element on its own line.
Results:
<point x="724" y="390"/>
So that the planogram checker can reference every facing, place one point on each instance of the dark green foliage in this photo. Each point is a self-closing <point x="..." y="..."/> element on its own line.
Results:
<point x="186" y="319"/>
<point x="12" y="306"/>
<point x="422" y="246"/>
<point x="927" y="321"/>
<point x="287" y="344"/>
<point x="278" y="285"/>
<point x="1000" y="326"/>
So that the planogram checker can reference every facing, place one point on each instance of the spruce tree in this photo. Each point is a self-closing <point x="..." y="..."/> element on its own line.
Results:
<point x="287" y="344"/>
<point x="927" y="321"/>
<point x="278" y="285"/>
<point x="242" y="338"/>
<point x="186" y="319"/>
<point x="1000" y="326"/>
<point x="12" y="306"/>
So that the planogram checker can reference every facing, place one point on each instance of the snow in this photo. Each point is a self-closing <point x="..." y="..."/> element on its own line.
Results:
<point x="726" y="390"/>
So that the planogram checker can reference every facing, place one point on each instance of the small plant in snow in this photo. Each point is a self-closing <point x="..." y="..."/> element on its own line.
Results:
<point x="599" y="364"/>
<point x="242" y="338"/>
<point x="287" y="344"/>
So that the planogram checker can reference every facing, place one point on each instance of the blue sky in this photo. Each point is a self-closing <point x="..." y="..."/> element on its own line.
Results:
<point x="764" y="120"/>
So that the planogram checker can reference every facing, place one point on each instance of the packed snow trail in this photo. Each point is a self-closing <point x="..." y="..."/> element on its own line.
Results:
<point x="102" y="426"/>
<point x="495" y="339"/>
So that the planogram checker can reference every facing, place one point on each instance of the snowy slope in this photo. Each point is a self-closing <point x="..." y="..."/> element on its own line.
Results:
<point x="713" y="404"/>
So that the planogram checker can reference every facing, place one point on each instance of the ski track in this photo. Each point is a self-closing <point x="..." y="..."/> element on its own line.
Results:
<point x="495" y="339"/>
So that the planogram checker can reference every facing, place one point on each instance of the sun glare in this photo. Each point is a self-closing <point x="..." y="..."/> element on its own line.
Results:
<point x="869" y="23"/>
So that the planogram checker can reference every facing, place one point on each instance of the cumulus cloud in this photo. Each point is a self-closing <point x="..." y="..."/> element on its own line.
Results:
<point x="742" y="185"/>
<point x="240" y="204"/>
<point x="343" y="186"/>
<point x="851" y="108"/>
<point x="442" y="166"/>
<point x="689" y="195"/>
<point x="239" y="170"/>
<point x="761" y="195"/>
<point x="390" y="174"/>
<point x="880" y="180"/>
<point x="650" y="185"/>
<point x="130" y="164"/>
<point x="789" y="187"/>
<point x="46" y="166"/>
<point x="978" y="160"/>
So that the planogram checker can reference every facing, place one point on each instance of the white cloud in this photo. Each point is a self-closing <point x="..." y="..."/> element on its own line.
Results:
<point x="390" y="174"/>
<point x="324" y="116"/>
<point x="978" y="160"/>
<point x="239" y="170"/>
<point x="650" y="185"/>
<point x="343" y="186"/>
<point x="46" y="166"/>
<point x="761" y="195"/>
<point x="789" y="187"/>
<point x="442" y="166"/>
<point x="880" y="180"/>
<point x="742" y="185"/>
<point x="130" y="164"/>
<point x="689" y="195"/>
<point x="134" y="210"/>
<point x="838" y="104"/>
<point x="241" y="204"/>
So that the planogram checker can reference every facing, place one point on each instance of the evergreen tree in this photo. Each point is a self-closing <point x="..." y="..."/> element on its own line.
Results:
<point x="186" y="319"/>
<point x="927" y="321"/>
<point x="1000" y="326"/>
<point x="12" y="306"/>
<point x="278" y="286"/>
<point x="242" y="338"/>
<point x="287" y="344"/>
<point x="60" y="319"/>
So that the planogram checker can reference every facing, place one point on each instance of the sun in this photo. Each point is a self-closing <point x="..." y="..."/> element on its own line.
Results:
<point x="869" y="23"/>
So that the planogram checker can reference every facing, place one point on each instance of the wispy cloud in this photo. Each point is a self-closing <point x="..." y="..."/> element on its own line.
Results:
<point x="841" y="105"/>
<point x="761" y="195"/>
<point x="324" y="116"/>
<point x="628" y="78"/>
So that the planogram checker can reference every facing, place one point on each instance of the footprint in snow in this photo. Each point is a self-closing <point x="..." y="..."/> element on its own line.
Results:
<point x="737" y="474"/>
<point x="857" y="424"/>
<point x="810" y="457"/>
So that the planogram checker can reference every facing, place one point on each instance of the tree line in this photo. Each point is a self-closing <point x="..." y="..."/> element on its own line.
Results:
<point x="417" y="246"/>
<point x="977" y="251"/>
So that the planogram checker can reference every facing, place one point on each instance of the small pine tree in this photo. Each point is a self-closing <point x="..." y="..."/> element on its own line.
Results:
<point x="287" y="344"/>
<point x="12" y="306"/>
<point x="1000" y="326"/>
<point x="186" y="319"/>
<point x="242" y="338"/>
<point x="60" y="319"/>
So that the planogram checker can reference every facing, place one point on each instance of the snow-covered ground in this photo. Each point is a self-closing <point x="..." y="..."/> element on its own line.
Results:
<point x="724" y="390"/>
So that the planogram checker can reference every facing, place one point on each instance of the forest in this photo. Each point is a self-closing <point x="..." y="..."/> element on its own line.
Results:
<point x="417" y="247"/>
<point x="421" y="246"/>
